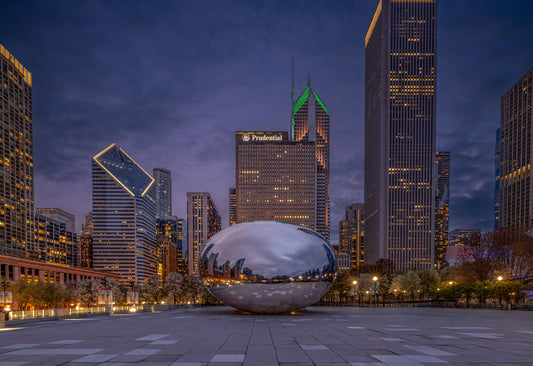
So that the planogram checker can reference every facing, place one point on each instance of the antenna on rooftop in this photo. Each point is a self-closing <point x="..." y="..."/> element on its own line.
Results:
<point x="292" y="101"/>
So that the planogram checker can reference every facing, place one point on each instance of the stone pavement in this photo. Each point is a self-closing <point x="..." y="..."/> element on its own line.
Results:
<point x="315" y="336"/>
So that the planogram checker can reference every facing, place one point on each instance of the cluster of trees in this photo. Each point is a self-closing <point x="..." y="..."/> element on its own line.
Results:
<point x="425" y="285"/>
<point x="496" y="266"/>
<point x="175" y="289"/>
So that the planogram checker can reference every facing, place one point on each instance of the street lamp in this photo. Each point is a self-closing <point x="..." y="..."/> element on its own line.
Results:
<point x="374" y="287"/>
<point x="500" y="289"/>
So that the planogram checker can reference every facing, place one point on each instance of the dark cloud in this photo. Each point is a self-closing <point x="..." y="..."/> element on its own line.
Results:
<point x="171" y="82"/>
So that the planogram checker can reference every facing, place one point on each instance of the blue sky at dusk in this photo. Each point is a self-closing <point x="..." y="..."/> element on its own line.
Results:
<point x="171" y="82"/>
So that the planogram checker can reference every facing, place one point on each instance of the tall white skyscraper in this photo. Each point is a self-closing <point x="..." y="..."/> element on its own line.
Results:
<point x="124" y="240"/>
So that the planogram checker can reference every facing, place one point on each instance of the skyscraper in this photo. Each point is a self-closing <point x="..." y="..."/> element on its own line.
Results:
<point x="60" y="215"/>
<point x="85" y="243"/>
<point x="275" y="179"/>
<point x="400" y="81"/>
<point x="171" y="228"/>
<point x="442" y="207"/>
<point x="124" y="241"/>
<point x="16" y="155"/>
<point x="462" y="237"/>
<point x="163" y="193"/>
<point x="54" y="242"/>
<point x="203" y="221"/>
<point x="497" y="182"/>
<point x="351" y="234"/>
<point x="310" y="122"/>
<point x="515" y="189"/>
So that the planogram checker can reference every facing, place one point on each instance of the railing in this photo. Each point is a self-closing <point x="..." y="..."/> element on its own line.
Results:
<point x="55" y="313"/>
<point x="50" y="313"/>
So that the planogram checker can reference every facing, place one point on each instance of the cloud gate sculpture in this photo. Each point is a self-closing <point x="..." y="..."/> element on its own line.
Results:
<point x="267" y="267"/>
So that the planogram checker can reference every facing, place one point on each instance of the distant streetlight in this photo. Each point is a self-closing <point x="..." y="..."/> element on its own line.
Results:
<point x="500" y="278"/>
<point x="375" y="278"/>
<point x="355" y="282"/>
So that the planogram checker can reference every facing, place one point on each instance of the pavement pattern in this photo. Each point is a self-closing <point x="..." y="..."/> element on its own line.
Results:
<point x="316" y="336"/>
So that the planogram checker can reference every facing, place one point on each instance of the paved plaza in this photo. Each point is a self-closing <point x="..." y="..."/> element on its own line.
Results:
<point x="316" y="336"/>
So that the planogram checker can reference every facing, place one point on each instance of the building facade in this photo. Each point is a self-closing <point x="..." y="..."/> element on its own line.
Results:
<point x="124" y="240"/>
<point x="168" y="256"/>
<point x="351" y="235"/>
<point x="310" y="122"/>
<point x="54" y="242"/>
<point x="171" y="228"/>
<point x="16" y="155"/>
<point x="463" y="237"/>
<point x="20" y="269"/>
<point x="163" y="193"/>
<point x="203" y="221"/>
<point x="515" y="181"/>
<point x="497" y="181"/>
<point x="232" y="206"/>
<point x="442" y="207"/>
<point x="85" y="243"/>
<point x="63" y="216"/>
<point x="400" y="91"/>
<point x="275" y="179"/>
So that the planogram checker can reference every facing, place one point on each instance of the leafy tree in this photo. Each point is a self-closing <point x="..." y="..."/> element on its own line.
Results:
<point x="341" y="286"/>
<point x="22" y="293"/>
<point x="86" y="292"/>
<point x="363" y="282"/>
<point x="172" y="287"/>
<point x="429" y="280"/>
<point x="151" y="290"/>
<point x="483" y="290"/>
<point x="408" y="284"/>
<point x="192" y="289"/>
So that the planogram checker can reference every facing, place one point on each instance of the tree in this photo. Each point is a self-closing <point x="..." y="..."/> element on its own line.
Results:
<point x="341" y="286"/>
<point x="363" y="282"/>
<point x="22" y="293"/>
<point x="151" y="291"/>
<point x="381" y="268"/>
<point x="192" y="289"/>
<point x="172" y="287"/>
<point x="408" y="284"/>
<point x="429" y="280"/>
<point x="86" y="292"/>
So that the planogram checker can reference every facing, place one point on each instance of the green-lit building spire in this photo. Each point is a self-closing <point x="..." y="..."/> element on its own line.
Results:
<point x="310" y="122"/>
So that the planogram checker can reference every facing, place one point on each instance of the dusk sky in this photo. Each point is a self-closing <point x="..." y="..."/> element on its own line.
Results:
<point x="171" y="82"/>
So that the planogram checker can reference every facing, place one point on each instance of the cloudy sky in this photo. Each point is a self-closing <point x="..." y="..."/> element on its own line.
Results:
<point x="171" y="82"/>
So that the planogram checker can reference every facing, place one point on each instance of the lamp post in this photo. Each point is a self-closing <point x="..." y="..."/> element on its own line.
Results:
<point x="355" y="289"/>
<point x="374" y="289"/>
<point x="500" y="289"/>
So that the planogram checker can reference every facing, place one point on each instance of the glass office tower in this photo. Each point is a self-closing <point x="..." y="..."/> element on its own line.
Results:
<point x="310" y="122"/>
<point x="16" y="158"/>
<point x="163" y="193"/>
<point x="400" y="82"/>
<point x="124" y="240"/>
<point x="442" y="207"/>
<point x="203" y="221"/>
<point x="515" y="184"/>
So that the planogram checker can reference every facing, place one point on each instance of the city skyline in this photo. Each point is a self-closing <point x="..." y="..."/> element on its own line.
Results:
<point x="196" y="143"/>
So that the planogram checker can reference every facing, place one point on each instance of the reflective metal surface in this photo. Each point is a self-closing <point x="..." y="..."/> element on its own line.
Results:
<point x="267" y="266"/>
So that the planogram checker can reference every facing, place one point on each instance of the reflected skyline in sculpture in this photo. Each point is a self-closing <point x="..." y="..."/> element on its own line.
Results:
<point x="267" y="267"/>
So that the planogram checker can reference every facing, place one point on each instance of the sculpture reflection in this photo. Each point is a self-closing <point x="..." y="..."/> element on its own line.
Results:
<point x="267" y="267"/>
